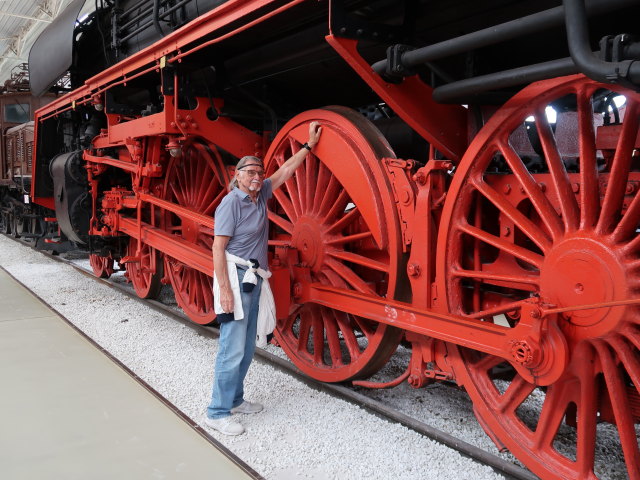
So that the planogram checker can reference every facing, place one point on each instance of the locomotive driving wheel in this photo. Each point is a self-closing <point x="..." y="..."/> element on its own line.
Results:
<point x="102" y="266"/>
<point x="337" y="212"/>
<point x="196" y="180"/>
<point x="145" y="274"/>
<point x="547" y="209"/>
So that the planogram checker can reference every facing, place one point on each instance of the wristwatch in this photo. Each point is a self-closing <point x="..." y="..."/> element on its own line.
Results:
<point x="306" y="145"/>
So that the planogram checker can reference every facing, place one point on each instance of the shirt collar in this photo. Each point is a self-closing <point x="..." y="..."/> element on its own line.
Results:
<point x="242" y="195"/>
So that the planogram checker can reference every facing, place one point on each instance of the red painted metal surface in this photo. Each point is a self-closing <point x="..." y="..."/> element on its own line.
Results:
<point x="444" y="126"/>
<point x="501" y="278"/>
<point x="341" y="226"/>
<point x="144" y="269"/>
<point x="196" y="180"/>
<point x="569" y="238"/>
<point x="102" y="266"/>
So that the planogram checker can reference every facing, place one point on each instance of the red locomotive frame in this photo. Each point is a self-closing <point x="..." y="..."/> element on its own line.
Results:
<point x="477" y="270"/>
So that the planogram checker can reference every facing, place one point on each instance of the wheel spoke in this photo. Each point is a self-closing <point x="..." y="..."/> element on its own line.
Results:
<point x="356" y="237"/>
<point x="515" y="250"/>
<point x="523" y="280"/>
<point x="350" y="339"/>
<point x="589" y="188"/>
<point x="333" y="340"/>
<point x="286" y="205"/>
<point x="286" y="225"/>
<point x="359" y="259"/>
<point x="349" y="276"/>
<point x="334" y="200"/>
<point x="186" y="175"/>
<point x="346" y="220"/>
<point x="626" y="229"/>
<point x="587" y="417"/>
<point x="318" y="336"/>
<point x="322" y="190"/>
<point x="311" y="182"/>
<point x="305" y="330"/>
<point x="568" y="204"/>
<point x="365" y="326"/>
<point x="628" y="357"/>
<point x="338" y="207"/>
<point x="539" y="200"/>
<point x="616" y="188"/>
<point x="517" y="392"/>
<point x="287" y="324"/>
<point x="210" y="190"/>
<point x="300" y="179"/>
<point x="177" y="195"/>
<point x="516" y="216"/>
<point x="294" y="195"/>
<point x="621" y="408"/>
<point x="553" y="411"/>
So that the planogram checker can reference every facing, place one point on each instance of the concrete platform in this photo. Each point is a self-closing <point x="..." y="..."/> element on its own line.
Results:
<point x="67" y="411"/>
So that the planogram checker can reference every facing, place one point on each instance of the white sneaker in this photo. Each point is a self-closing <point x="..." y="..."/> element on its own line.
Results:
<point x="225" y="425"/>
<point x="247" y="407"/>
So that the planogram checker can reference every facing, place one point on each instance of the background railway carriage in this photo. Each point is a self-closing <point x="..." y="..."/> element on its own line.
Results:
<point x="18" y="216"/>
<point x="474" y="192"/>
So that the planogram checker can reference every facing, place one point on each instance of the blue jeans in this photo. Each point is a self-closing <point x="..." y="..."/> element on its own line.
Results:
<point x="236" y="346"/>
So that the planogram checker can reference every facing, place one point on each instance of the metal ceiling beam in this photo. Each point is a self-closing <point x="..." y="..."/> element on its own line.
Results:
<point x="36" y="19"/>
<point x="26" y="32"/>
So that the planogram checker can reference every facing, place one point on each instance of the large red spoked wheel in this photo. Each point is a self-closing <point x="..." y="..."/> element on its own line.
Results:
<point x="102" y="266"/>
<point x="338" y="212"/>
<point x="548" y="209"/>
<point x="146" y="274"/>
<point x="196" y="180"/>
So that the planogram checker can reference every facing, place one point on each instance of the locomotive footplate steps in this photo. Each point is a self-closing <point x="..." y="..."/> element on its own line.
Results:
<point x="67" y="409"/>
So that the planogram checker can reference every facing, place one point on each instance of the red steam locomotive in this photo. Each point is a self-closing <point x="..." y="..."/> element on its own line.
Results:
<point x="474" y="193"/>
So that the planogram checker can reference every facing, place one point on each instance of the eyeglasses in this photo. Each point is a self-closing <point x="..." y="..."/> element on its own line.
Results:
<point x="253" y="173"/>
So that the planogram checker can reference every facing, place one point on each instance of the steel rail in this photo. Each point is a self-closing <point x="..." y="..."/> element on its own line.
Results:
<point x="509" y="469"/>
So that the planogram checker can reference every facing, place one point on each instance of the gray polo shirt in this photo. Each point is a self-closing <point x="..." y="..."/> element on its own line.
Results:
<point x="246" y="223"/>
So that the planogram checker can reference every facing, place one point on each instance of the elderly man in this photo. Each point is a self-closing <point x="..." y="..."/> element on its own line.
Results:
<point x="242" y="230"/>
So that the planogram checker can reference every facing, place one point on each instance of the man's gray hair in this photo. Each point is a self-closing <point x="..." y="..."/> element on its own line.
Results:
<point x="241" y="163"/>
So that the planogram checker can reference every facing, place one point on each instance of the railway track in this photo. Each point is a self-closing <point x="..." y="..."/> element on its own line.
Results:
<point x="348" y="393"/>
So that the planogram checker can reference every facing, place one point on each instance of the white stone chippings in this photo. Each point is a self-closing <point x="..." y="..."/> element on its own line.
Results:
<point x="302" y="433"/>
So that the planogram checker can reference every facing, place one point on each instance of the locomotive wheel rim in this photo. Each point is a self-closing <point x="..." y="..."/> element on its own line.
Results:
<point x="196" y="180"/>
<point x="102" y="266"/>
<point x="344" y="226"/>
<point x="145" y="282"/>
<point x="581" y="250"/>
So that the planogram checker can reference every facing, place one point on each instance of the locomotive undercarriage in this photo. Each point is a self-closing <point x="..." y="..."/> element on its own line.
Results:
<point x="505" y="253"/>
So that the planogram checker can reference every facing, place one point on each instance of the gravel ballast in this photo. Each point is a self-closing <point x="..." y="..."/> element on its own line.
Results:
<point x="302" y="433"/>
